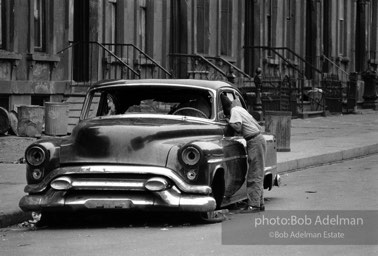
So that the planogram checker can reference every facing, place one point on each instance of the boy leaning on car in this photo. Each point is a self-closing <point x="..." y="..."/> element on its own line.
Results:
<point x="242" y="122"/>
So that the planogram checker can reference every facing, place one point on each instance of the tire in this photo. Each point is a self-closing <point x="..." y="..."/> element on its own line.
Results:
<point x="218" y="189"/>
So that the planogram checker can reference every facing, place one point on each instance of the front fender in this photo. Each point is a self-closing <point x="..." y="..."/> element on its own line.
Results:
<point x="225" y="160"/>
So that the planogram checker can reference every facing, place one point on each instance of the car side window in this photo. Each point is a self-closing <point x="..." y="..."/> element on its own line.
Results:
<point x="230" y="95"/>
<point x="94" y="104"/>
<point x="235" y="98"/>
<point x="239" y="101"/>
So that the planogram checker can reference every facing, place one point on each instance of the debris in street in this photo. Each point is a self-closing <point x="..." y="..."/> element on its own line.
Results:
<point x="26" y="224"/>
<point x="20" y="245"/>
<point x="20" y="161"/>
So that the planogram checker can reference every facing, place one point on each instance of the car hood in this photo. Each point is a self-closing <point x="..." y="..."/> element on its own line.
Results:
<point x="131" y="140"/>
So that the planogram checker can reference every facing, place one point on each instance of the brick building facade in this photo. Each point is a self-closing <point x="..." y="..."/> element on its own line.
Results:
<point x="41" y="60"/>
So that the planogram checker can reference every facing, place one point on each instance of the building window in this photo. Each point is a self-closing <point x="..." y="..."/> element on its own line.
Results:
<point x="341" y="29"/>
<point x="269" y="27"/>
<point x="40" y="25"/>
<point x="142" y="25"/>
<point x="81" y="52"/>
<point x="341" y="37"/>
<point x="226" y="27"/>
<point x="203" y="26"/>
<point x="111" y="24"/>
<point x="3" y="25"/>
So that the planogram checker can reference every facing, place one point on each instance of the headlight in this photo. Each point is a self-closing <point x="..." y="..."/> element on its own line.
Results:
<point x="190" y="155"/>
<point x="35" y="156"/>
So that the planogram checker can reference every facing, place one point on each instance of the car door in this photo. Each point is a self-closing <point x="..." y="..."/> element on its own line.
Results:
<point x="235" y="155"/>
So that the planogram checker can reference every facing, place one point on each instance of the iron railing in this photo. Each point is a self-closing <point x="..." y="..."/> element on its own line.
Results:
<point x="195" y="66"/>
<point x="145" y="65"/>
<point x="93" y="61"/>
<point x="294" y="71"/>
<point x="234" y="74"/>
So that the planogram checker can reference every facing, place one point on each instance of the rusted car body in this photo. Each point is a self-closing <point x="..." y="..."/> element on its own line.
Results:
<point x="145" y="145"/>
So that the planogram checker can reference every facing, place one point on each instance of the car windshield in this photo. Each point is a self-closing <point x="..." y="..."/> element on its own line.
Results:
<point x="169" y="100"/>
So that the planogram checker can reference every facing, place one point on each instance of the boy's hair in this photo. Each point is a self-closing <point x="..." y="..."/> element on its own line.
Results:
<point x="226" y="104"/>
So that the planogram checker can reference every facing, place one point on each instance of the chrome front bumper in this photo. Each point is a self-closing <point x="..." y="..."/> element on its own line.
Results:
<point x="65" y="188"/>
<point x="170" y="199"/>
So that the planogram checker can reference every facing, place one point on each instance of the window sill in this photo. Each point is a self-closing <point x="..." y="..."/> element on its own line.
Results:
<point x="5" y="55"/>
<point x="43" y="57"/>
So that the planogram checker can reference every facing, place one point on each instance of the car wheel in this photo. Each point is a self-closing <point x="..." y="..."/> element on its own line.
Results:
<point x="218" y="189"/>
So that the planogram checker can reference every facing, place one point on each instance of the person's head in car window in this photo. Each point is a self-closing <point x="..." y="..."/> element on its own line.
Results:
<point x="111" y="106"/>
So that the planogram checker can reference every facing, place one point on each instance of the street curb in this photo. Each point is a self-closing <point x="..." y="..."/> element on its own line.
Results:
<point x="293" y="165"/>
<point x="13" y="217"/>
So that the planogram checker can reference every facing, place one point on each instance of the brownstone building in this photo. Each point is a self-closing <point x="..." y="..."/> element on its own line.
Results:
<point x="52" y="50"/>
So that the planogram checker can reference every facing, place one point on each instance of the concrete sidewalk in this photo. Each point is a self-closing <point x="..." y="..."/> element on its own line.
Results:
<point x="314" y="141"/>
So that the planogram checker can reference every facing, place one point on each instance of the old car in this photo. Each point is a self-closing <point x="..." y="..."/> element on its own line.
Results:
<point x="145" y="145"/>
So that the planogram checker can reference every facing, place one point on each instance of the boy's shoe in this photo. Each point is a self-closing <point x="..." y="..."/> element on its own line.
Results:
<point x="238" y="206"/>
<point x="251" y="209"/>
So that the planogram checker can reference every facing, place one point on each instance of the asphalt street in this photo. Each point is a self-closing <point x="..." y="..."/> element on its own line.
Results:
<point x="326" y="188"/>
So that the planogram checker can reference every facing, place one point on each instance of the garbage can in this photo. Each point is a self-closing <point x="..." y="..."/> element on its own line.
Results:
<point x="56" y="118"/>
<point x="279" y="124"/>
<point x="30" y="120"/>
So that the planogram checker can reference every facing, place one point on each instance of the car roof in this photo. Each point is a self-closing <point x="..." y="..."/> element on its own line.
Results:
<point x="215" y="85"/>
